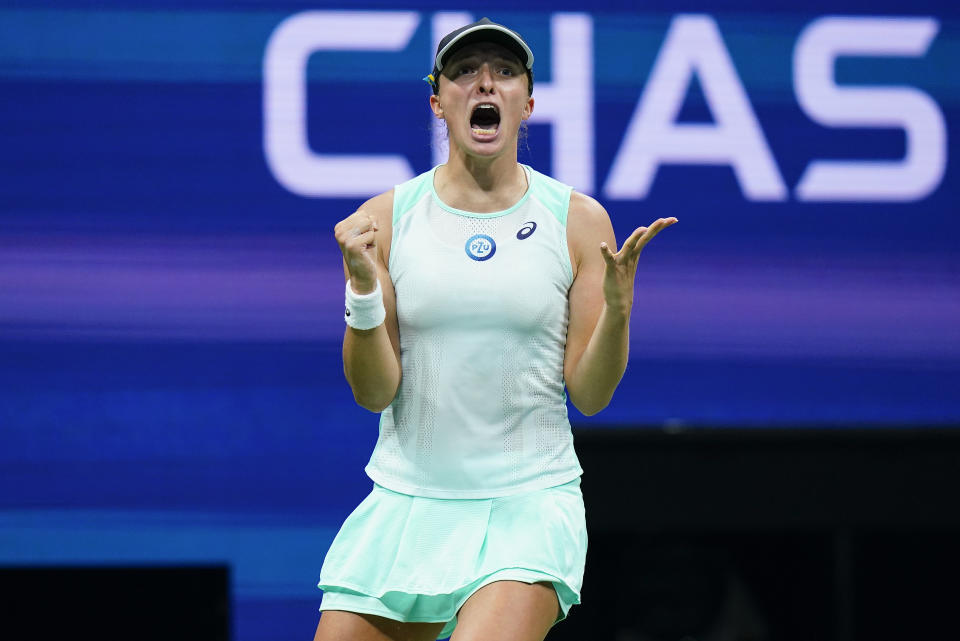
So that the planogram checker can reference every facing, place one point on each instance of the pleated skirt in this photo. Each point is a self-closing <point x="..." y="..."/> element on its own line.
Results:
<point x="412" y="558"/>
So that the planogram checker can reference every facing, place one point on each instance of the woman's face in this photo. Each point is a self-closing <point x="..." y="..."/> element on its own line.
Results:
<point x="483" y="96"/>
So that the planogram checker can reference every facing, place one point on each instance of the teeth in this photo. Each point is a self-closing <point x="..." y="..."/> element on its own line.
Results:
<point x="481" y="131"/>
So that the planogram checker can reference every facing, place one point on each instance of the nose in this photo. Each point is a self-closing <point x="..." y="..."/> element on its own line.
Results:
<point x="485" y="82"/>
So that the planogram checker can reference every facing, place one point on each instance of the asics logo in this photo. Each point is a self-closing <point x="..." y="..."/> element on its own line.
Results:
<point x="527" y="230"/>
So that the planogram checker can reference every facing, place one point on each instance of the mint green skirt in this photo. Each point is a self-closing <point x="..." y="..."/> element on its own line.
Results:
<point x="412" y="558"/>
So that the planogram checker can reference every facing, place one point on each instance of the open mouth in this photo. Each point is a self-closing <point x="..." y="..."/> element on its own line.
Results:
<point x="485" y="120"/>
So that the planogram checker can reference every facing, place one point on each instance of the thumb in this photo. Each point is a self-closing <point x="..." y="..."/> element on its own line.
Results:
<point x="607" y="254"/>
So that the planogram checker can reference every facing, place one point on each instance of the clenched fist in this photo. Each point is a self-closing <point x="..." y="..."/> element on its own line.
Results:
<point x="356" y="236"/>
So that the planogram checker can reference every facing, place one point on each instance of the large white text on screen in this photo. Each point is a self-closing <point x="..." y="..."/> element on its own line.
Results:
<point x="693" y="45"/>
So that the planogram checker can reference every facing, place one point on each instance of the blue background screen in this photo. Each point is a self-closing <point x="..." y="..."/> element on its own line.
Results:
<point x="171" y="387"/>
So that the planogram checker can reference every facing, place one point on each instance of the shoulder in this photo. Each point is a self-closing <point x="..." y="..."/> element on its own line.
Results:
<point x="588" y="224"/>
<point x="400" y="198"/>
<point x="380" y="206"/>
<point x="406" y="195"/>
<point x="578" y="209"/>
<point x="585" y="210"/>
<point x="587" y="217"/>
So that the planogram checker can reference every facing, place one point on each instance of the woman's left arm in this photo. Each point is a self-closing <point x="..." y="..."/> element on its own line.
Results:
<point x="601" y="299"/>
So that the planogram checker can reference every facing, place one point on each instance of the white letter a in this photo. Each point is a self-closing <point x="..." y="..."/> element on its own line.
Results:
<point x="694" y="45"/>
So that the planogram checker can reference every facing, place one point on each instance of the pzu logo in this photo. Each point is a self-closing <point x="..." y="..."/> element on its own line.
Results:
<point x="480" y="247"/>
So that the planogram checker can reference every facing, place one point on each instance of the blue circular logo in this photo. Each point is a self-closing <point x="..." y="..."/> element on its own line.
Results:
<point x="527" y="230"/>
<point x="480" y="247"/>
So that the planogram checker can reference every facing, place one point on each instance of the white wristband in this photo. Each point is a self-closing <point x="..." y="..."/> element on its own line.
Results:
<point x="364" y="311"/>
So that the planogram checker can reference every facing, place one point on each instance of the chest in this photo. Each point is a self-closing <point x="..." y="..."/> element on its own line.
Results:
<point x="508" y="272"/>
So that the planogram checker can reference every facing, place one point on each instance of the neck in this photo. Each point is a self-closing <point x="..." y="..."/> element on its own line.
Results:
<point x="481" y="185"/>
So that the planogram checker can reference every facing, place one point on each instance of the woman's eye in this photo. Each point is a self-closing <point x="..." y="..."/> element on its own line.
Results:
<point x="507" y="71"/>
<point x="464" y="70"/>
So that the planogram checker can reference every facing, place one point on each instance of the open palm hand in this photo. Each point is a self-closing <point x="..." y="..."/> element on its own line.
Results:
<point x="620" y="268"/>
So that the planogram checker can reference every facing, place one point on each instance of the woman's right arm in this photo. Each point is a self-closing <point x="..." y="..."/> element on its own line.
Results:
<point x="371" y="358"/>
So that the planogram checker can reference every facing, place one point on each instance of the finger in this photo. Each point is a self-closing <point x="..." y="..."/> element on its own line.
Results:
<point x="363" y="241"/>
<point x="632" y="240"/>
<point x="360" y="218"/>
<point x="658" y="226"/>
<point x="663" y="223"/>
<point x="652" y="231"/>
<point x="607" y="254"/>
<point x="362" y="225"/>
<point x="353" y="225"/>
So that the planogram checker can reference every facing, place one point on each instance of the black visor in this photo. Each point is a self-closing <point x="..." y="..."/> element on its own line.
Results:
<point x="483" y="30"/>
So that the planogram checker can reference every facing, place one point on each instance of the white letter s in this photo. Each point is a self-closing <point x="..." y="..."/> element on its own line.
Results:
<point x="923" y="166"/>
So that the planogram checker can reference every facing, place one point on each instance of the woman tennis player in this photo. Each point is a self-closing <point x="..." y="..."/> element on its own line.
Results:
<point x="477" y="293"/>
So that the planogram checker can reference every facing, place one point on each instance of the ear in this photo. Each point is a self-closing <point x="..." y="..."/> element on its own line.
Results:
<point x="527" y="110"/>
<point x="435" y="106"/>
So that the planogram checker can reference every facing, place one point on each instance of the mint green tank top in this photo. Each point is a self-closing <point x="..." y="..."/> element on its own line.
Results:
<point x="482" y="303"/>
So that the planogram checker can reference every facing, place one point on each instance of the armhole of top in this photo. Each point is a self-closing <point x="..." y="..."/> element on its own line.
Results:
<point x="552" y="193"/>
<point x="555" y="196"/>
<point x="565" y="249"/>
<point x="405" y="196"/>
